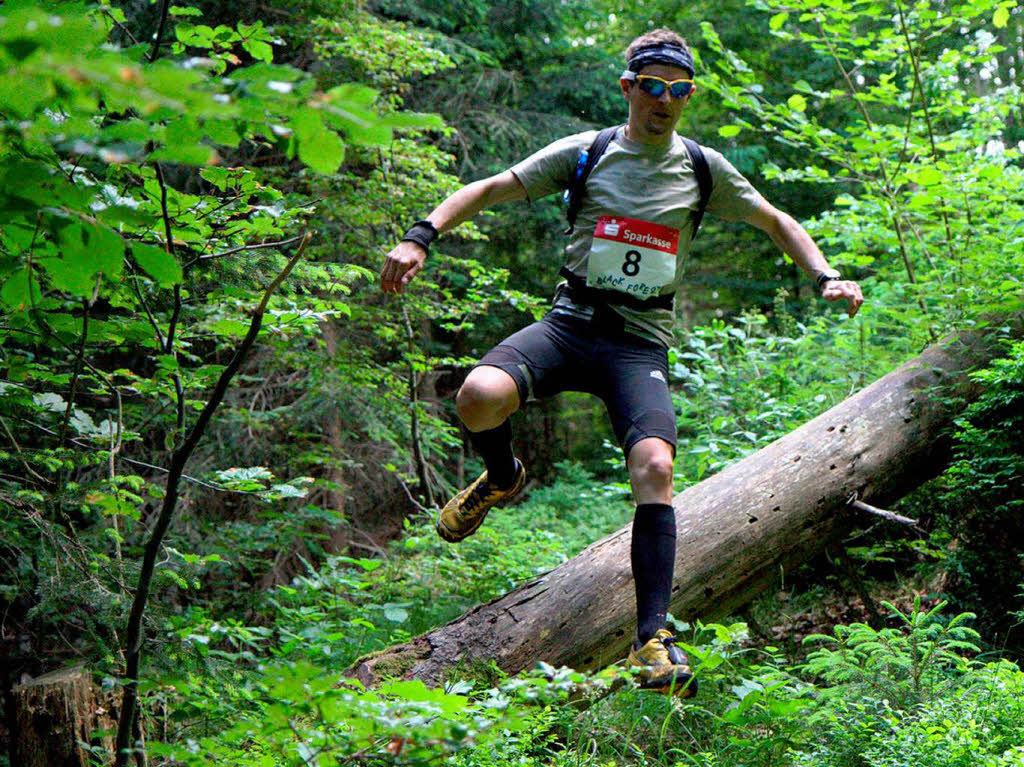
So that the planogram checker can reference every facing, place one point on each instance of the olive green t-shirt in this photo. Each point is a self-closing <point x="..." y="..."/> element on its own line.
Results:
<point x="655" y="184"/>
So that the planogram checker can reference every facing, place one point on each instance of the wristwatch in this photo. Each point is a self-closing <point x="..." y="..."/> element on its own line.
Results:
<point x="827" y="276"/>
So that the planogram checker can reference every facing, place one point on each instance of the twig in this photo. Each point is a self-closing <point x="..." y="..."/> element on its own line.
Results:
<point x="145" y="306"/>
<point x="133" y="462"/>
<point x="892" y="516"/>
<point x="169" y="341"/>
<point x="419" y="506"/>
<point x="134" y="633"/>
<point x="17" y="449"/>
<point x="118" y="24"/>
<point x="882" y="166"/>
<point x="73" y="388"/>
<point x="927" y="121"/>
<point x="240" y="249"/>
<point x="159" y="32"/>
<point x="414" y="416"/>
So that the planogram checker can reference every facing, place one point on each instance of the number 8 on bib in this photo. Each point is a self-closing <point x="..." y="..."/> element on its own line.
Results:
<point x="632" y="256"/>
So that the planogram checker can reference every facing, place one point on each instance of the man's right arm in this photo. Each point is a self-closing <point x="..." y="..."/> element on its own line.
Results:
<point x="407" y="258"/>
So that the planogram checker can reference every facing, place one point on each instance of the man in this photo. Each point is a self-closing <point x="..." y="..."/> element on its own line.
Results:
<point x="611" y="321"/>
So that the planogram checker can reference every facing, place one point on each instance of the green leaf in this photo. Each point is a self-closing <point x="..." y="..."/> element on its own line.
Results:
<point x="797" y="102"/>
<point x="425" y="120"/>
<point x="776" y="21"/>
<point x="158" y="263"/>
<point x="1001" y="16"/>
<point x="85" y="251"/>
<point x="259" y="50"/>
<point x="319" y="148"/>
<point x="728" y="131"/>
<point x="928" y="176"/>
<point x="20" y="290"/>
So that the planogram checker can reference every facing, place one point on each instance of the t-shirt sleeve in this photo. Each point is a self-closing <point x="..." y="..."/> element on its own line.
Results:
<point x="549" y="170"/>
<point x="732" y="196"/>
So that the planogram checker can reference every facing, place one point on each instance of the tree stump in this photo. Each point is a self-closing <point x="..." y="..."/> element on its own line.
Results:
<point x="56" y="715"/>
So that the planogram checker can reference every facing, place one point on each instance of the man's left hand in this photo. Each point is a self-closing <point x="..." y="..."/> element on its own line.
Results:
<point x="835" y="290"/>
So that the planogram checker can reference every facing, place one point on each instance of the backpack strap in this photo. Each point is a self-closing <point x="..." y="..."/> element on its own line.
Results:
<point x="704" y="181"/>
<point x="584" y="164"/>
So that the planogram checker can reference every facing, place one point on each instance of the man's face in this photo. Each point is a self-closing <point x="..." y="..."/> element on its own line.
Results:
<point x="654" y="118"/>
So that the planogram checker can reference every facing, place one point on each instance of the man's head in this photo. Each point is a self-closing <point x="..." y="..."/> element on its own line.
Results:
<point x="657" y="84"/>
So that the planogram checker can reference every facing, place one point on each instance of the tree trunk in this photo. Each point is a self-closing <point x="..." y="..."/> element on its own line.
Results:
<point x="736" y="530"/>
<point x="56" y="714"/>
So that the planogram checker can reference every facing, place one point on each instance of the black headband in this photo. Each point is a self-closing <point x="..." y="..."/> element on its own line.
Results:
<point x="661" y="53"/>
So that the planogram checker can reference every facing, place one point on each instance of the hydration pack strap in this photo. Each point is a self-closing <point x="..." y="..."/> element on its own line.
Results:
<point x="584" y="164"/>
<point x="704" y="182"/>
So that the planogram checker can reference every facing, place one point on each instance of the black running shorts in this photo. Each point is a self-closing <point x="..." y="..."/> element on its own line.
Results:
<point x="564" y="353"/>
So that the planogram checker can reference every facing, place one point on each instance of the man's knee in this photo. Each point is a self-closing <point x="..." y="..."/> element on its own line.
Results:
<point x="651" y="463"/>
<point x="488" y="394"/>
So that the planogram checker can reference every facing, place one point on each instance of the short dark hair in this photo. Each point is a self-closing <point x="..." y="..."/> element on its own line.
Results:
<point x="655" y="36"/>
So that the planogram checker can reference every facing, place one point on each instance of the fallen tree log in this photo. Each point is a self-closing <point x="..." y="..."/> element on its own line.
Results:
<point x="774" y="509"/>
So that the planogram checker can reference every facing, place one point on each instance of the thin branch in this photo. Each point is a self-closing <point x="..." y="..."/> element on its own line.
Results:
<point x="17" y="449"/>
<point x="892" y="516"/>
<point x="73" y="389"/>
<point x="145" y="306"/>
<point x="881" y="158"/>
<point x="239" y="249"/>
<point x="134" y="633"/>
<point x="132" y="461"/>
<point x="155" y="51"/>
<point x="169" y="341"/>
<point x="414" y="416"/>
<point x="40" y="321"/>
<point x="927" y="121"/>
<point x="119" y="25"/>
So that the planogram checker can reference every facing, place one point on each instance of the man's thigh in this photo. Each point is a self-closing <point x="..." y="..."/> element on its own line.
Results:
<point x="544" y="358"/>
<point x="637" y="395"/>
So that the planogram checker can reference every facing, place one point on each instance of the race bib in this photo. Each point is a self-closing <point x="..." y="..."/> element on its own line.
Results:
<point x="632" y="256"/>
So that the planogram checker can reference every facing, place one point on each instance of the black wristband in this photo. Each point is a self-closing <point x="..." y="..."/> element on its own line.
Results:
<point x="826" y="276"/>
<point x="422" y="233"/>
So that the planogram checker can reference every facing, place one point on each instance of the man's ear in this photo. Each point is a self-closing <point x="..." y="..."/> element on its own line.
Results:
<point x="625" y="85"/>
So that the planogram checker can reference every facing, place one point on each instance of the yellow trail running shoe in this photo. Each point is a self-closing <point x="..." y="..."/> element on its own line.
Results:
<point x="464" y="513"/>
<point x="663" y="667"/>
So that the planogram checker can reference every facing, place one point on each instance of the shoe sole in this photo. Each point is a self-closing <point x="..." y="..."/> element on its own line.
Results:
<point x="447" y="534"/>
<point x="682" y="684"/>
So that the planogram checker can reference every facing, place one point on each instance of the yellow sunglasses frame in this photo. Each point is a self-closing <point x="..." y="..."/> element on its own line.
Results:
<point x="668" y="84"/>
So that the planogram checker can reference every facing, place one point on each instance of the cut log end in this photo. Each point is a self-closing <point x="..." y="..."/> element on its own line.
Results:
<point x="56" y="714"/>
<point x="391" y="663"/>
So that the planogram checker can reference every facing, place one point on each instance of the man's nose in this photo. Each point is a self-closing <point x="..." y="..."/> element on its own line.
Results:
<point x="665" y="96"/>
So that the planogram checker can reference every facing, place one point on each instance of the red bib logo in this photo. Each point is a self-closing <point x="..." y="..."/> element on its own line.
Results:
<point x="632" y="256"/>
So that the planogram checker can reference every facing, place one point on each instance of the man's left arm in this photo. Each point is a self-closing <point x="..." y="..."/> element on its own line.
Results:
<point x="798" y="245"/>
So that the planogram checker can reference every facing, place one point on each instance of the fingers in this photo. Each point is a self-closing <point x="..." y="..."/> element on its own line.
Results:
<point x="400" y="266"/>
<point x="848" y="289"/>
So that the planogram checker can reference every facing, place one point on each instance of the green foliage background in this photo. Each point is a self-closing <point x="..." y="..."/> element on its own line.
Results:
<point x="155" y="184"/>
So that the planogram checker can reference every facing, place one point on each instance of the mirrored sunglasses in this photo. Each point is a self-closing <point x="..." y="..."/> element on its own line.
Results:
<point x="655" y="86"/>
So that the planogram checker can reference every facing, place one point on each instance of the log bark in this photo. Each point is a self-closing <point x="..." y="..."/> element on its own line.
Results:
<point x="736" y="530"/>
<point x="56" y="714"/>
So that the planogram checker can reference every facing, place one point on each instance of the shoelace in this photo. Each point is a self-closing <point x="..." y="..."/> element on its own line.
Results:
<point x="476" y="496"/>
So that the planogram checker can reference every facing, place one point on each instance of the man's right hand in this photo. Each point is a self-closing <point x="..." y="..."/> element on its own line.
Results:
<point x="400" y="266"/>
